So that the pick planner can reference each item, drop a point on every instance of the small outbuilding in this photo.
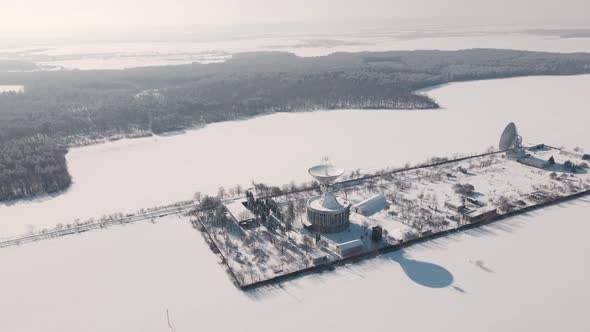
(480, 215)
(351, 247)
(239, 213)
(456, 205)
(370, 205)
(318, 257)
(475, 201)
(534, 162)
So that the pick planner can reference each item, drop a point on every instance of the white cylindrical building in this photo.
(327, 213)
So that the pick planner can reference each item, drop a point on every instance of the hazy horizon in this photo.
(36, 16)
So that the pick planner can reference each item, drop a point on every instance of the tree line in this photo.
(63, 107)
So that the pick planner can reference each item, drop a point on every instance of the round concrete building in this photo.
(327, 213)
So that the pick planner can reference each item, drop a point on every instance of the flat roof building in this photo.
(534, 162)
(370, 205)
(457, 205)
(351, 247)
(239, 213)
(479, 215)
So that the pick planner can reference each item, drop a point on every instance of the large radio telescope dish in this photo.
(325, 174)
(510, 138)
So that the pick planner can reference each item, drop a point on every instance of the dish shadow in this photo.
(423, 273)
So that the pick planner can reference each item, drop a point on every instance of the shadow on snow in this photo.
(423, 273)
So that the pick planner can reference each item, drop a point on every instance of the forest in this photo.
(32, 167)
(64, 108)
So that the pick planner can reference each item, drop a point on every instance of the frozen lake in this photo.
(127, 175)
(528, 273)
(525, 273)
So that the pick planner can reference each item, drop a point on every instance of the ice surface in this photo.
(127, 175)
(527, 273)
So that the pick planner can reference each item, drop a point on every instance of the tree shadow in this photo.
(560, 168)
(35, 199)
(423, 273)
(171, 133)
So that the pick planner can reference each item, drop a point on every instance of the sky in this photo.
(19, 16)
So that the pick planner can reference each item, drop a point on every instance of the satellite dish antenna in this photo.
(325, 174)
(510, 140)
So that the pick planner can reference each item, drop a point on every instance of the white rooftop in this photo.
(371, 205)
(238, 211)
(350, 244)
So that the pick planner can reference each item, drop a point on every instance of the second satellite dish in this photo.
(510, 140)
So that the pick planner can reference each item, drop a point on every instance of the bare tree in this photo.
(197, 196)
(221, 192)
(463, 189)
(307, 243)
(503, 203)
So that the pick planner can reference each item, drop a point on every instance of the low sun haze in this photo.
(37, 15)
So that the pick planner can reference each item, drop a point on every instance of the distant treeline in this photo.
(16, 65)
(64, 106)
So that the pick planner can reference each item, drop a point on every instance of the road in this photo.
(157, 213)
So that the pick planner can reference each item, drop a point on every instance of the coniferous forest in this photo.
(32, 167)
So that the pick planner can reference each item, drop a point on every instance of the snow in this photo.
(238, 211)
(371, 205)
(508, 276)
(255, 253)
(503, 185)
(525, 273)
(131, 174)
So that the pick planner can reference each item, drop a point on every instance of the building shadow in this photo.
(423, 273)
(353, 232)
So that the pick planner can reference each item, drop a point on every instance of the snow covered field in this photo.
(527, 273)
(127, 175)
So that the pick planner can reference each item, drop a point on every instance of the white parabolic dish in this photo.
(508, 138)
(326, 174)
